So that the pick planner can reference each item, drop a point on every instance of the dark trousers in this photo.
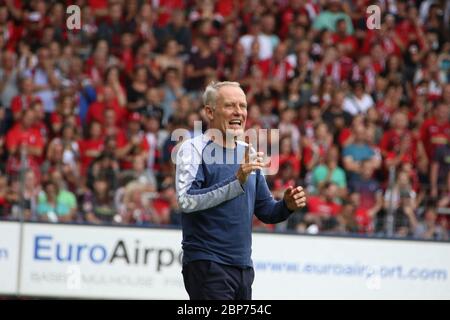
(209, 280)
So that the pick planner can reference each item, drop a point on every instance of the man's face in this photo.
(27, 86)
(442, 111)
(110, 117)
(8, 60)
(230, 114)
(359, 132)
(400, 121)
(330, 192)
(28, 118)
(342, 27)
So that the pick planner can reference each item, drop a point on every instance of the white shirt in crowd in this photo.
(354, 105)
(267, 45)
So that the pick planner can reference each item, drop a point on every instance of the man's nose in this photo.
(237, 110)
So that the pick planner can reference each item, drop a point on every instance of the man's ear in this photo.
(209, 112)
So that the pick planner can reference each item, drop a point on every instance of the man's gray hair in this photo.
(212, 92)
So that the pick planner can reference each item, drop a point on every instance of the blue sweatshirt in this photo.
(217, 210)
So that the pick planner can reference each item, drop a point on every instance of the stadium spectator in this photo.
(9, 75)
(405, 220)
(430, 228)
(288, 155)
(134, 142)
(137, 89)
(285, 178)
(335, 116)
(347, 219)
(440, 168)
(24, 99)
(403, 185)
(64, 197)
(177, 29)
(134, 203)
(105, 165)
(98, 205)
(201, 66)
(358, 101)
(330, 171)
(92, 146)
(51, 206)
(358, 152)
(46, 79)
(173, 90)
(398, 145)
(435, 131)
(327, 18)
(323, 209)
(24, 136)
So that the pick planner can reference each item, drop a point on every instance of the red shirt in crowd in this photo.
(161, 209)
(387, 42)
(225, 7)
(21, 102)
(348, 41)
(434, 134)
(363, 220)
(18, 136)
(87, 145)
(280, 184)
(97, 110)
(319, 206)
(279, 71)
(166, 7)
(289, 14)
(98, 4)
(339, 70)
(294, 160)
(391, 141)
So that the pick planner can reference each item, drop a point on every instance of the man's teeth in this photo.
(238, 122)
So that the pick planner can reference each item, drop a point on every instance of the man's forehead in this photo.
(230, 93)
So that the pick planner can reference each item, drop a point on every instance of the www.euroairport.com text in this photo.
(354, 270)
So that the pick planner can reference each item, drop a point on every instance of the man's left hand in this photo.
(294, 198)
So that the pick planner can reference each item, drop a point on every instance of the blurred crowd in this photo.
(87, 115)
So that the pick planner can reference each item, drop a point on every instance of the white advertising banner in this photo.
(141, 263)
(9, 256)
(102, 262)
(317, 267)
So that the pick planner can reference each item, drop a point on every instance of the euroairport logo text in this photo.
(47, 248)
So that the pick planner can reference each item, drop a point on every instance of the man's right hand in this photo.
(251, 162)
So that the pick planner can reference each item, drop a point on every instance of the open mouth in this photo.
(235, 124)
